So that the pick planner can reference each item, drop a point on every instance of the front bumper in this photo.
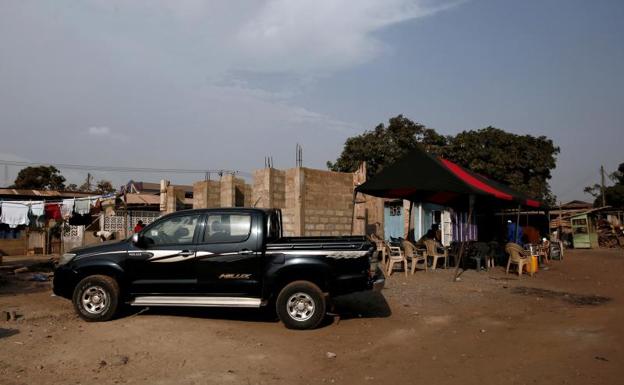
(65, 279)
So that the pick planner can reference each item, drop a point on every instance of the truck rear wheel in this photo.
(301, 305)
(96, 298)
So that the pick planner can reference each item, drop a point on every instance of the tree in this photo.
(39, 178)
(104, 187)
(524, 162)
(614, 195)
(72, 187)
(384, 145)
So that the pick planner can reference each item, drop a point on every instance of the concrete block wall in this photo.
(268, 188)
(313, 202)
(328, 202)
(175, 199)
(229, 191)
(206, 193)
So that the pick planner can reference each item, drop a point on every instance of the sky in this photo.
(192, 84)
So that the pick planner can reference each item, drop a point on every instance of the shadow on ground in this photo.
(575, 299)
(8, 332)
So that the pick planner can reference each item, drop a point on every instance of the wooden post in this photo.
(461, 248)
(517, 235)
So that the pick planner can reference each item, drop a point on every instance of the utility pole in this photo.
(602, 186)
(88, 182)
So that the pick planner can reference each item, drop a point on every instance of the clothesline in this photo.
(17, 213)
(50, 202)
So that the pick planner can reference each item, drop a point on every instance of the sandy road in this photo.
(487, 329)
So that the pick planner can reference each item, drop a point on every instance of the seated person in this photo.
(218, 232)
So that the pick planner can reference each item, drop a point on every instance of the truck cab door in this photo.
(230, 260)
(163, 261)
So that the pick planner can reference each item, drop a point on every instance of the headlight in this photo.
(65, 258)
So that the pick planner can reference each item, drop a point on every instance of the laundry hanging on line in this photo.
(14, 214)
(53, 211)
(82, 206)
(67, 208)
(37, 209)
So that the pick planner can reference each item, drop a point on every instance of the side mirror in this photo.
(136, 239)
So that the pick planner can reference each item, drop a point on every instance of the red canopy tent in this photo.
(423, 177)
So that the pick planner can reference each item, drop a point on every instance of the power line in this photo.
(125, 169)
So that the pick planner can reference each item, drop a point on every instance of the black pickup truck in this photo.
(233, 257)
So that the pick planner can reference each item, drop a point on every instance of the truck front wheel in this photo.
(96, 298)
(301, 305)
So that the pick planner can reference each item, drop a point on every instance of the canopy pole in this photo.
(517, 235)
(353, 210)
(463, 242)
(548, 228)
(409, 222)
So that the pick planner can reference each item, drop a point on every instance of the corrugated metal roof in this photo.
(148, 199)
(11, 192)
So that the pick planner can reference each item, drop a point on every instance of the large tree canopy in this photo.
(40, 178)
(523, 162)
(384, 145)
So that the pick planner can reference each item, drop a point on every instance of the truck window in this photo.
(172, 231)
(227, 228)
(273, 227)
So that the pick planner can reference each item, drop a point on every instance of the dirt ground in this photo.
(563, 326)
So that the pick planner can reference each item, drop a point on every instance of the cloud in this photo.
(218, 73)
(321, 35)
(270, 36)
(105, 132)
(99, 131)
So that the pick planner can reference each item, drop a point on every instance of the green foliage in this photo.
(39, 178)
(523, 162)
(384, 145)
(614, 195)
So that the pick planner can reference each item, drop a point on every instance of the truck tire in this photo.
(301, 305)
(96, 298)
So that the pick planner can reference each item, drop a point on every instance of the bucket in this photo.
(532, 266)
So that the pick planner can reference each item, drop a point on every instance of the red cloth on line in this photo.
(53, 211)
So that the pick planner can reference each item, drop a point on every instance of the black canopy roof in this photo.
(422, 177)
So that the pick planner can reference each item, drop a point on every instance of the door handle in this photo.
(186, 253)
(245, 252)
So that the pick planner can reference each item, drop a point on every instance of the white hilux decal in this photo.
(337, 254)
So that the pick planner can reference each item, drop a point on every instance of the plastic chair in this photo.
(415, 255)
(395, 255)
(518, 256)
(432, 251)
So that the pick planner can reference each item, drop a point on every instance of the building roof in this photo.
(151, 187)
(576, 204)
(41, 194)
(149, 199)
